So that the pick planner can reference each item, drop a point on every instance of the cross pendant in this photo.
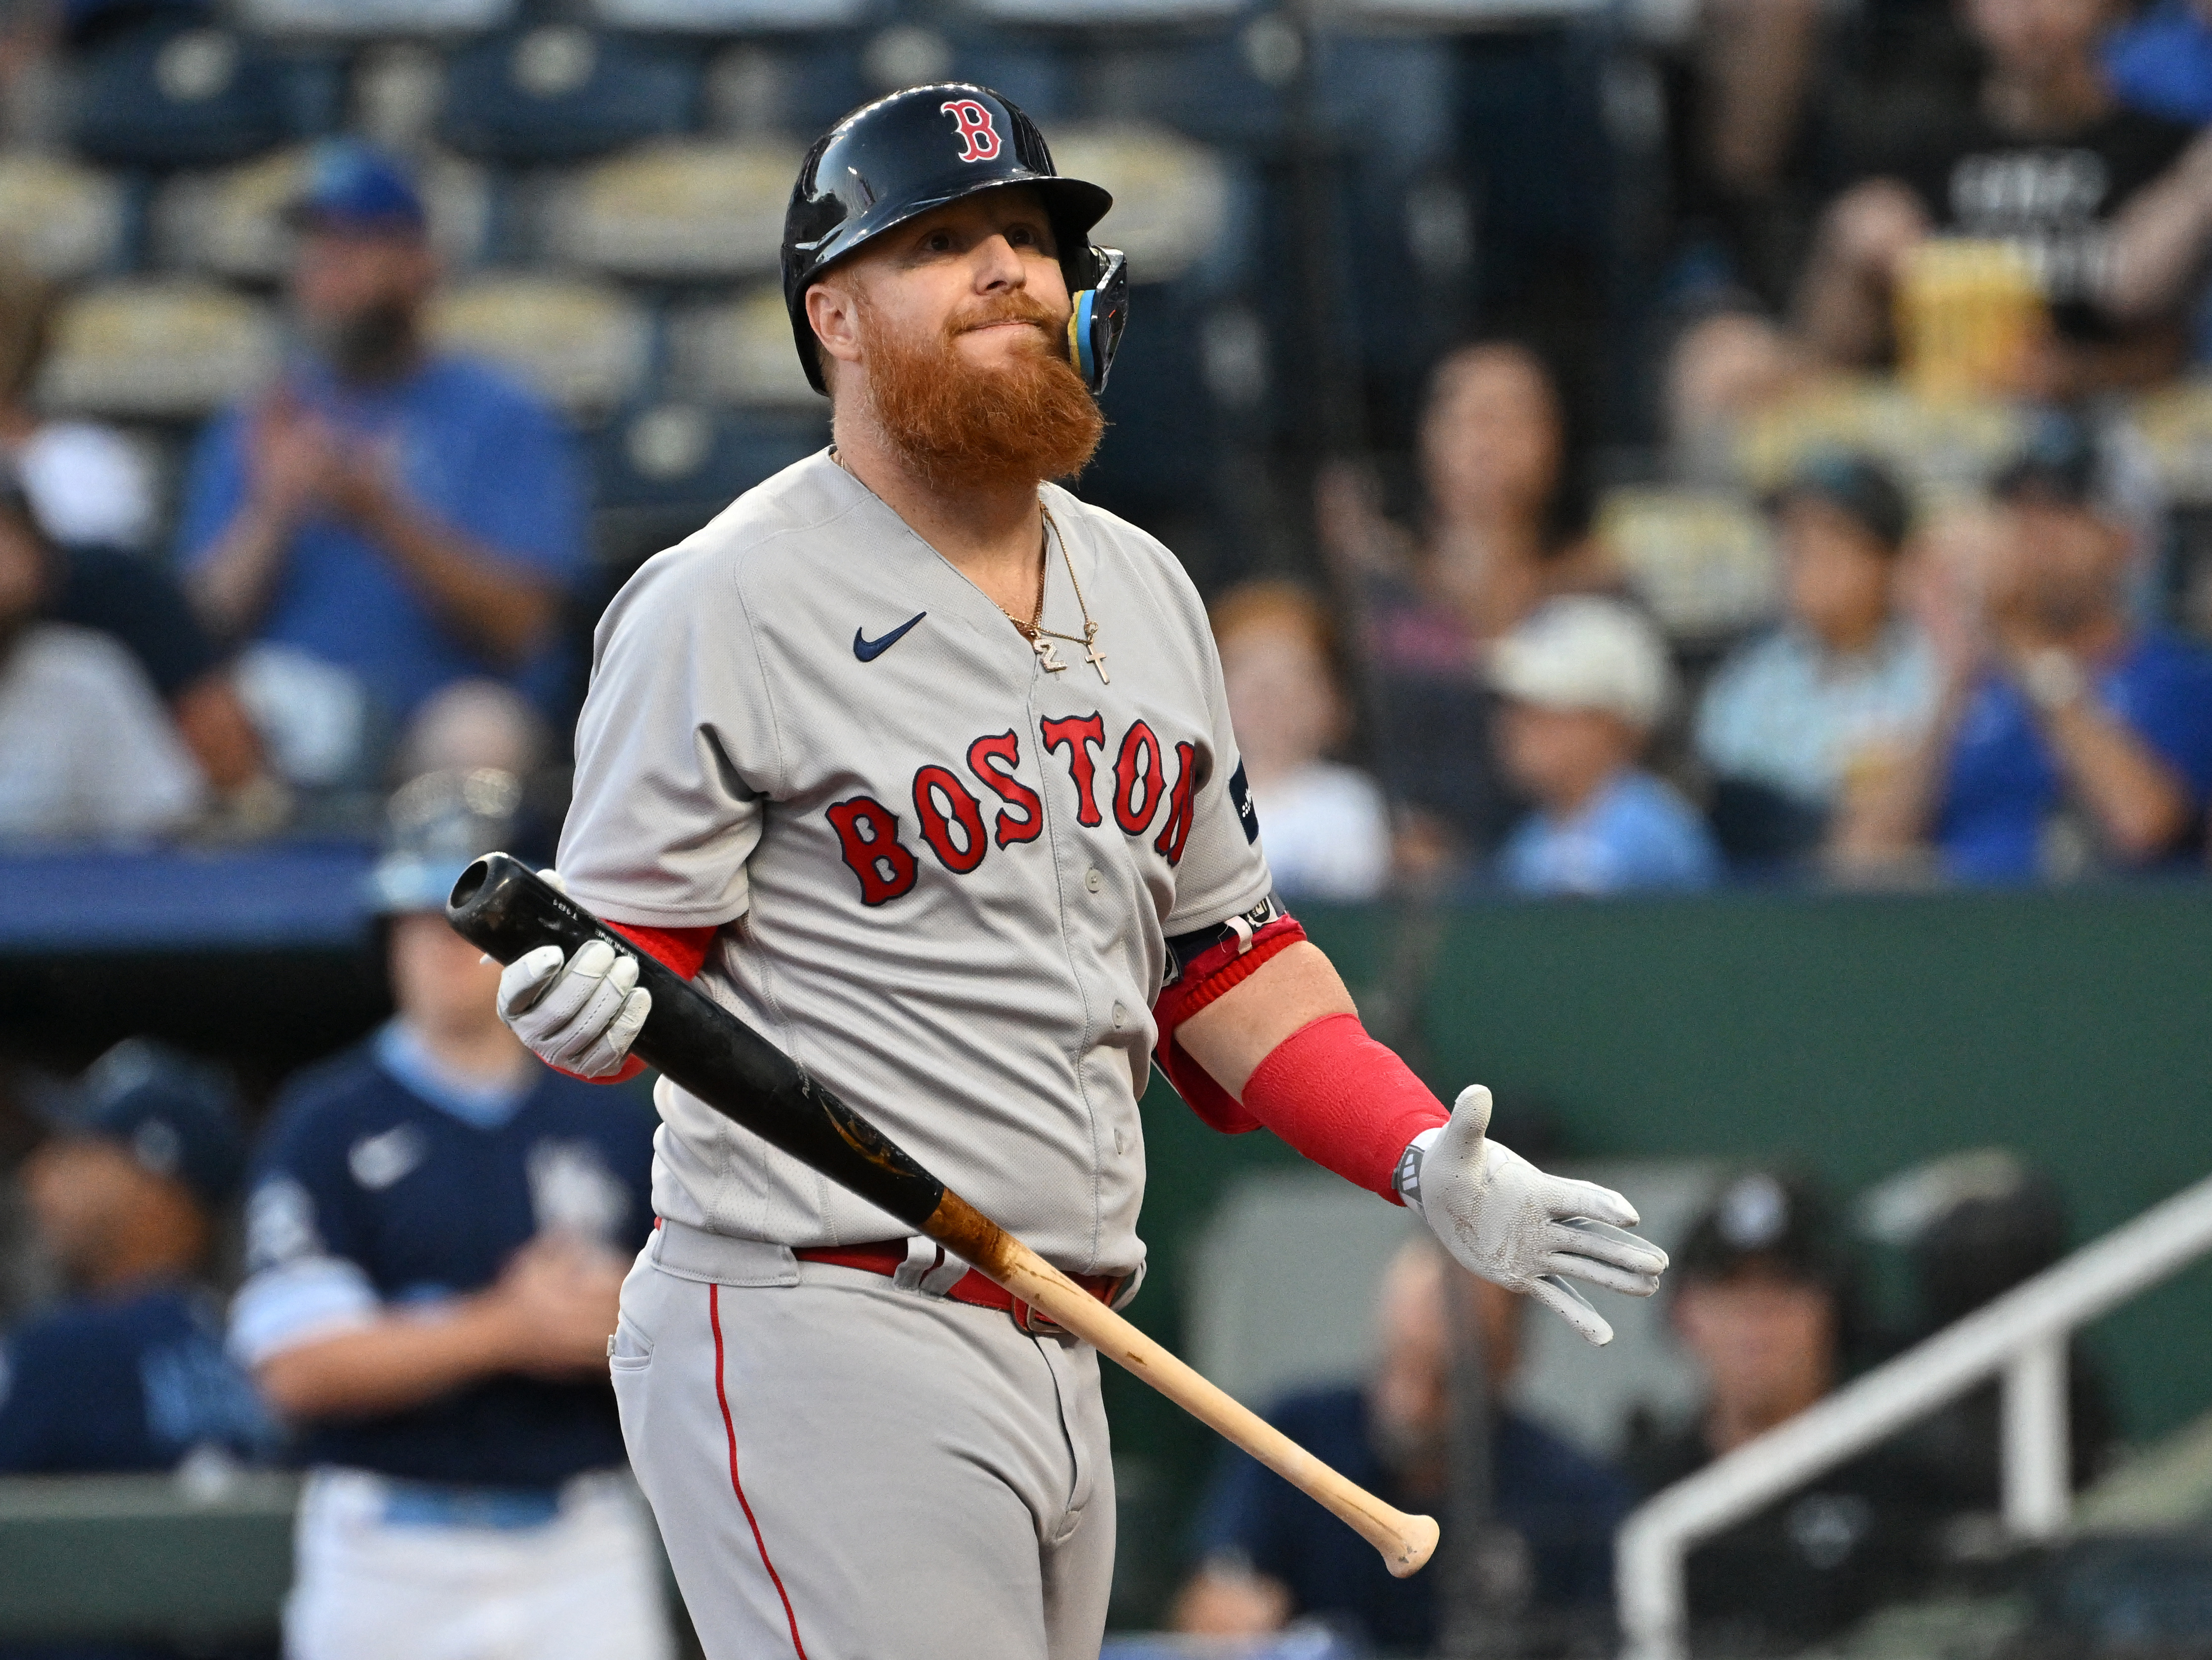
(1042, 647)
(1096, 659)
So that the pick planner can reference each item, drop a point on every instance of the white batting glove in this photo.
(1503, 1218)
(581, 1015)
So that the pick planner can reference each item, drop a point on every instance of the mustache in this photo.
(1008, 308)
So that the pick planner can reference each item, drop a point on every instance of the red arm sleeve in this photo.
(681, 951)
(1329, 1088)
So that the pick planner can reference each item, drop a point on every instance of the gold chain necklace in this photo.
(1039, 637)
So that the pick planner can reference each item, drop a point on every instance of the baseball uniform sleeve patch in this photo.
(1239, 796)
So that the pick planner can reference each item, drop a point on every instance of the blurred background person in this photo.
(437, 1233)
(1326, 829)
(1971, 1226)
(406, 517)
(1762, 1297)
(1267, 1555)
(87, 749)
(1584, 681)
(2070, 735)
(91, 496)
(2042, 159)
(128, 1372)
(1501, 531)
(87, 485)
(1846, 686)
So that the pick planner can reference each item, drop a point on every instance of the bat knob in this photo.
(1409, 1553)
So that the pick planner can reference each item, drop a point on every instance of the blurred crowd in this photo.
(1851, 531)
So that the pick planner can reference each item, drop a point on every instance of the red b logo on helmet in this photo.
(979, 139)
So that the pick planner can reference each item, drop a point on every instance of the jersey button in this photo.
(1092, 879)
(1121, 1017)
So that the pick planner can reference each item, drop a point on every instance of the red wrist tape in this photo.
(1343, 1100)
(681, 951)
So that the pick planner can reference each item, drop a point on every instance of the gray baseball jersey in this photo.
(943, 873)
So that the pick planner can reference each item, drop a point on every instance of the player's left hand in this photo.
(1503, 1218)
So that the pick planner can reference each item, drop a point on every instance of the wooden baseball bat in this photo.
(506, 909)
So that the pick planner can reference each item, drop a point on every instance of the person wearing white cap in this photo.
(1584, 680)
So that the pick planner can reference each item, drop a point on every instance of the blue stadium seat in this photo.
(735, 16)
(369, 20)
(682, 457)
(561, 93)
(174, 92)
(738, 352)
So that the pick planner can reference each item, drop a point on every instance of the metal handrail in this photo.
(2021, 1335)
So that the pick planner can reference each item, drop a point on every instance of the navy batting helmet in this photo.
(917, 149)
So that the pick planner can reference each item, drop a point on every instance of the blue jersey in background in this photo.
(384, 1182)
(131, 1382)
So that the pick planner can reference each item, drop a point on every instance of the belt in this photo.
(889, 1256)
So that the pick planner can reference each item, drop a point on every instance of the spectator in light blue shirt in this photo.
(1842, 691)
(411, 519)
(1584, 682)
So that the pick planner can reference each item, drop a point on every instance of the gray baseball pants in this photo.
(846, 1468)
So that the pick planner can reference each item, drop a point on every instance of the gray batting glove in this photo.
(581, 1015)
(1503, 1218)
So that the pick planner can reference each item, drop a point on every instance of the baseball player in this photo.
(921, 766)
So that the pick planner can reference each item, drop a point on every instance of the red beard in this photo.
(961, 426)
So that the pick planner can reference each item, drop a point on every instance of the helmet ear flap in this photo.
(1098, 316)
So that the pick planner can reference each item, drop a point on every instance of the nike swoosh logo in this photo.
(868, 650)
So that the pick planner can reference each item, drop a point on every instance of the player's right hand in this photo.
(581, 1014)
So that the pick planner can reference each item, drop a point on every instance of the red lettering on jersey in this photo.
(962, 855)
(979, 138)
(1181, 805)
(1139, 780)
(1006, 748)
(1078, 733)
(869, 831)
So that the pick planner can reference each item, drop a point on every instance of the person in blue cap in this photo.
(128, 1372)
(411, 517)
(437, 1227)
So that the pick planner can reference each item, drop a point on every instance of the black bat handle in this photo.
(506, 911)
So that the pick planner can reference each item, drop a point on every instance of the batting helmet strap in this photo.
(900, 156)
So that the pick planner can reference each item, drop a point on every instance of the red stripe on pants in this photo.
(730, 1429)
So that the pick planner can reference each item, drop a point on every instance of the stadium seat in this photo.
(561, 93)
(60, 217)
(174, 93)
(1170, 196)
(738, 352)
(230, 223)
(584, 345)
(679, 209)
(1104, 14)
(733, 16)
(663, 456)
(1701, 560)
(157, 349)
(368, 20)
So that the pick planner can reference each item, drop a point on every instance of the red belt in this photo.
(888, 1256)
